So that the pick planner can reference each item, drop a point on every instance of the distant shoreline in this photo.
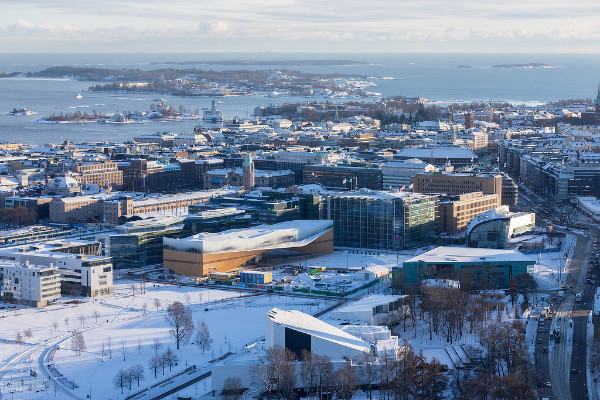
(295, 63)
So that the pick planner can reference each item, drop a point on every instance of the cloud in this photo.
(305, 25)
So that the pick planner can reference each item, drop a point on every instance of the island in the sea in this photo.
(526, 66)
(294, 63)
(199, 82)
(157, 113)
(21, 111)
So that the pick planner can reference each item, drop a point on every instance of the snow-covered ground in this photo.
(234, 319)
(551, 269)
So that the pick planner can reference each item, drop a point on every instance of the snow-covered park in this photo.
(134, 324)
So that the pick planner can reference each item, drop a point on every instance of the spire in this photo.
(598, 96)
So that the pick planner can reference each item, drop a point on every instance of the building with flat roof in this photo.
(458, 183)
(372, 219)
(397, 174)
(139, 243)
(590, 206)
(340, 177)
(28, 284)
(455, 212)
(371, 310)
(459, 156)
(216, 220)
(298, 332)
(203, 253)
(80, 274)
(489, 268)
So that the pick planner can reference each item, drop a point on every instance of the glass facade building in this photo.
(380, 220)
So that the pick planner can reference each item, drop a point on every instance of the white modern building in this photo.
(372, 310)
(397, 174)
(80, 274)
(493, 228)
(28, 284)
(298, 331)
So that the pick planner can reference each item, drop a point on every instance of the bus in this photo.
(578, 296)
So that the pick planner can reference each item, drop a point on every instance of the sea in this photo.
(436, 77)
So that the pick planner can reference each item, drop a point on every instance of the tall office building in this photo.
(372, 219)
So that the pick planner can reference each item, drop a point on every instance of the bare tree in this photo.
(307, 371)
(132, 287)
(66, 322)
(203, 339)
(77, 342)
(28, 333)
(55, 325)
(136, 373)
(156, 345)
(156, 303)
(232, 389)
(124, 349)
(170, 358)
(180, 319)
(96, 315)
(154, 364)
(277, 372)
(82, 320)
(145, 307)
(103, 351)
(19, 338)
(139, 347)
(346, 382)
(368, 370)
(324, 373)
(121, 380)
(109, 348)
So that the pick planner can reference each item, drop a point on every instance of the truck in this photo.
(561, 295)
(578, 296)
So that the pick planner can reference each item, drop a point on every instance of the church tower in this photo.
(248, 172)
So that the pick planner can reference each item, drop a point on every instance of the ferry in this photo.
(213, 115)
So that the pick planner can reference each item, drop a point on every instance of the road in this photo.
(581, 310)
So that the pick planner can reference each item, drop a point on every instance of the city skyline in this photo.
(292, 26)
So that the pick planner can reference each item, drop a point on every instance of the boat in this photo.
(213, 115)
(79, 96)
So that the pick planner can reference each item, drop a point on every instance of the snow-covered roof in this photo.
(262, 237)
(312, 326)
(436, 152)
(378, 194)
(370, 302)
(450, 254)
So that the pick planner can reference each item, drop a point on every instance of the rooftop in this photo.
(370, 302)
(262, 237)
(312, 326)
(450, 254)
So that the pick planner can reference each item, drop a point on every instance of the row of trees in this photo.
(17, 217)
(126, 377)
(405, 375)
(163, 360)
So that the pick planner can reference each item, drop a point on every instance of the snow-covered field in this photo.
(132, 321)
(551, 270)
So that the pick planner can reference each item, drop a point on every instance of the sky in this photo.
(324, 26)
